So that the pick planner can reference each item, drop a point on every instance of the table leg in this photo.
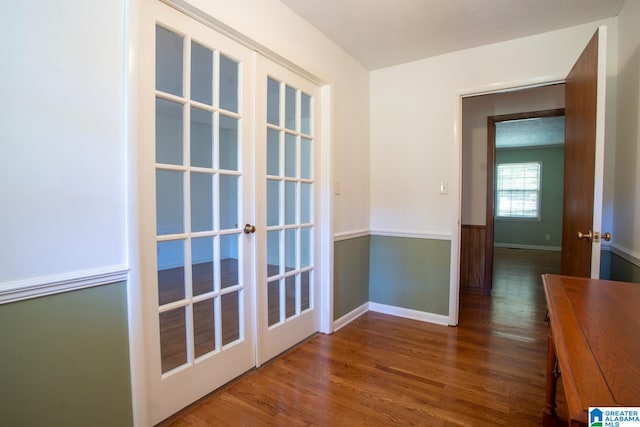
(550, 418)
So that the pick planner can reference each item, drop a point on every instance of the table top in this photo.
(596, 330)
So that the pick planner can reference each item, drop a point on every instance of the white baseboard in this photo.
(350, 317)
(408, 313)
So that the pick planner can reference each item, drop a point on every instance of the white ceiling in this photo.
(381, 33)
(530, 132)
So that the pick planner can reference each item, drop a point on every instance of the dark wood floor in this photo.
(385, 370)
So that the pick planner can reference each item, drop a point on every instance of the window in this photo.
(518, 190)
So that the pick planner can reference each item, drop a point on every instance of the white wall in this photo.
(415, 111)
(62, 144)
(626, 226)
(275, 26)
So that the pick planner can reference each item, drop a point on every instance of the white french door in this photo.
(288, 171)
(228, 140)
(196, 193)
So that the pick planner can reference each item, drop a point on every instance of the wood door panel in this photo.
(580, 147)
(472, 258)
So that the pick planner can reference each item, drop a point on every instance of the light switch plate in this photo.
(444, 187)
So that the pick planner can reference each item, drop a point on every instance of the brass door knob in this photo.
(606, 236)
(249, 228)
(586, 236)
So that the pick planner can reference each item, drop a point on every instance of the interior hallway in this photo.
(385, 370)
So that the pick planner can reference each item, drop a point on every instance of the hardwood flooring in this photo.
(385, 370)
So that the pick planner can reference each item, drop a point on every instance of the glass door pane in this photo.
(196, 199)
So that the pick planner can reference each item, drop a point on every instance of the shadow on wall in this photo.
(626, 158)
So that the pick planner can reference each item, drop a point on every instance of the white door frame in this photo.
(598, 175)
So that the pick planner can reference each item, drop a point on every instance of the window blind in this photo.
(518, 190)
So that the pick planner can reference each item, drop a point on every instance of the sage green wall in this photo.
(350, 275)
(410, 273)
(623, 270)
(65, 360)
(533, 232)
(605, 264)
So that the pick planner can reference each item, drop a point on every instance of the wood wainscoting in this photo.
(473, 258)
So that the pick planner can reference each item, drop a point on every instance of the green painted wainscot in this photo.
(621, 268)
(350, 274)
(410, 273)
(65, 360)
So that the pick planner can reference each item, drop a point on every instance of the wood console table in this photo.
(595, 339)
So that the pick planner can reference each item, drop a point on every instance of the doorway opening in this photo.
(525, 177)
(513, 112)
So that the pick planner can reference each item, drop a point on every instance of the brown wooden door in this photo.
(581, 131)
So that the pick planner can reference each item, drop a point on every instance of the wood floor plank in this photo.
(385, 370)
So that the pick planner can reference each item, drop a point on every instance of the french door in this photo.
(196, 185)
(228, 208)
(288, 171)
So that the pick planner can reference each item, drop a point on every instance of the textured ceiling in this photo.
(530, 132)
(381, 33)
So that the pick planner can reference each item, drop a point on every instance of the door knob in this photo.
(249, 228)
(586, 236)
(604, 236)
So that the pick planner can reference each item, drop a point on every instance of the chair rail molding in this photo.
(59, 283)
(412, 234)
